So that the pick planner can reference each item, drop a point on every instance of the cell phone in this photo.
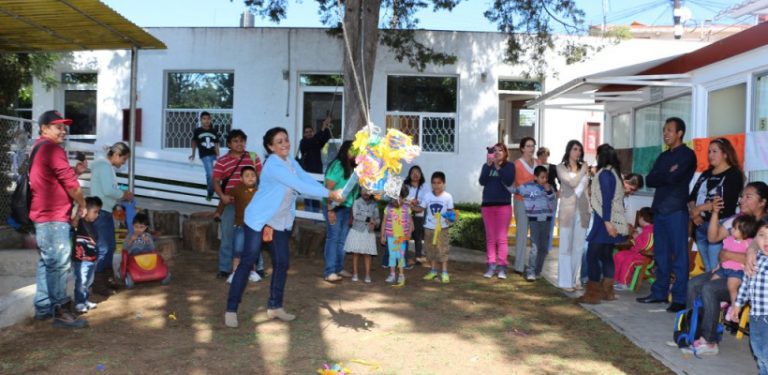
(719, 190)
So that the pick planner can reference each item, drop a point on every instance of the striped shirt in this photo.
(397, 221)
(755, 289)
(226, 164)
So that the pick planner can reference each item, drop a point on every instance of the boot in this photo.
(592, 295)
(63, 317)
(606, 287)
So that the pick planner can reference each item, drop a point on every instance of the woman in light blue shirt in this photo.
(272, 211)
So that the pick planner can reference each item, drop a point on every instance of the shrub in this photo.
(468, 231)
(467, 207)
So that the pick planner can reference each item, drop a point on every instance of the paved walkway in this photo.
(647, 326)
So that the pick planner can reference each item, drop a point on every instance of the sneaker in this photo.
(430, 276)
(354, 278)
(384, 266)
(332, 277)
(444, 278)
(345, 273)
(254, 277)
(367, 279)
(530, 277)
(490, 270)
(229, 279)
(391, 279)
(230, 319)
(208, 198)
(502, 274)
(90, 305)
(401, 280)
(702, 348)
(81, 308)
(620, 287)
(280, 314)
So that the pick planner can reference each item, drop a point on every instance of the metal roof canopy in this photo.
(587, 87)
(67, 25)
(74, 25)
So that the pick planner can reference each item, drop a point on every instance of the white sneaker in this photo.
(391, 279)
(354, 278)
(530, 277)
(81, 308)
(345, 273)
(367, 279)
(90, 305)
(230, 319)
(229, 279)
(254, 277)
(280, 314)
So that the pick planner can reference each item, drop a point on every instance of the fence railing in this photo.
(434, 132)
(159, 174)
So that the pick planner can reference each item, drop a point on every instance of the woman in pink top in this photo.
(523, 175)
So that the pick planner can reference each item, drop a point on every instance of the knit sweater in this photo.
(607, 201)
(539, 203)
(571, 203)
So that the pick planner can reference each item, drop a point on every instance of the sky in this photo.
(468, 16)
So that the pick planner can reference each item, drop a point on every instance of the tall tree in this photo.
(528, 24)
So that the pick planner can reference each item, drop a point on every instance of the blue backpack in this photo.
(688, 324)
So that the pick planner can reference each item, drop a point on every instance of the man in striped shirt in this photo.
(227, 169)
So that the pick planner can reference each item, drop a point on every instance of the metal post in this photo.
(132, 125)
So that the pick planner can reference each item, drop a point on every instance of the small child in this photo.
(539, 199)
(438, 217)
(642, 249)
(396, 233)
(744, 229)
(84, 254)
(140, 241)
(242, 194)
(754, 290)
(361, 239)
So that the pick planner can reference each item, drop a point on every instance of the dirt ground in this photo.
(470, 326)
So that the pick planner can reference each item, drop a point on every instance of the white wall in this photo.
(263, 99)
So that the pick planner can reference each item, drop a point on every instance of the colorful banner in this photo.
(643, 158)
(701, 148)
(756, 154)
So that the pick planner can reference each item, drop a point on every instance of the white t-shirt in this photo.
(433, 205)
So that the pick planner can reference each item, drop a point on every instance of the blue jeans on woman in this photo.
(239, 247)
(335, 236)
(600, 261)
(55, 246)
(278, 249)
(208, 162)
(758, 337)
(105, 239)
(710, 252)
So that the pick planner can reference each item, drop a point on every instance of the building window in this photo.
(190, 93)
(425, 108)
(621, 131)
(727, 110)
(760, 122)
(80, 104)
(519, 85)
(649, 120)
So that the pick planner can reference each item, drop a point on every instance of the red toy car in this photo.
(144, 267)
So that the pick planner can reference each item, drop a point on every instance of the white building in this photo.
(257, 78)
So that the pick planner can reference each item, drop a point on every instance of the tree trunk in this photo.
(361, 20)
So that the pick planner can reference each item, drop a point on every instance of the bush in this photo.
(468, 231)
(467, 207)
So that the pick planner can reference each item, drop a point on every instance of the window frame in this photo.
(64, 87)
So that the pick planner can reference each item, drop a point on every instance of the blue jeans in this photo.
(239, 246)
(710, 252)
(55, 246)
(758, 337)
(105, 239)
(670, 237)
(539, 245)
(335, 236)
(83, 279)
(278, 249)
(600, 261)
(226, 248)
(208, 166)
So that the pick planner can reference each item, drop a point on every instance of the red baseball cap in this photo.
(53, 117)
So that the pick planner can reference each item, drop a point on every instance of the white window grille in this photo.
(187, 95)
(434, 132)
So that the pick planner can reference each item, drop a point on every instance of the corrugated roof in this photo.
(67, 25)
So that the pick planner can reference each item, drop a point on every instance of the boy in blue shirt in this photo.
(539, 198)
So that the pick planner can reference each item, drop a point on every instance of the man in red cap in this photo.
(54, 187)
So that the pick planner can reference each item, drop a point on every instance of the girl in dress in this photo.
(361, 239)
